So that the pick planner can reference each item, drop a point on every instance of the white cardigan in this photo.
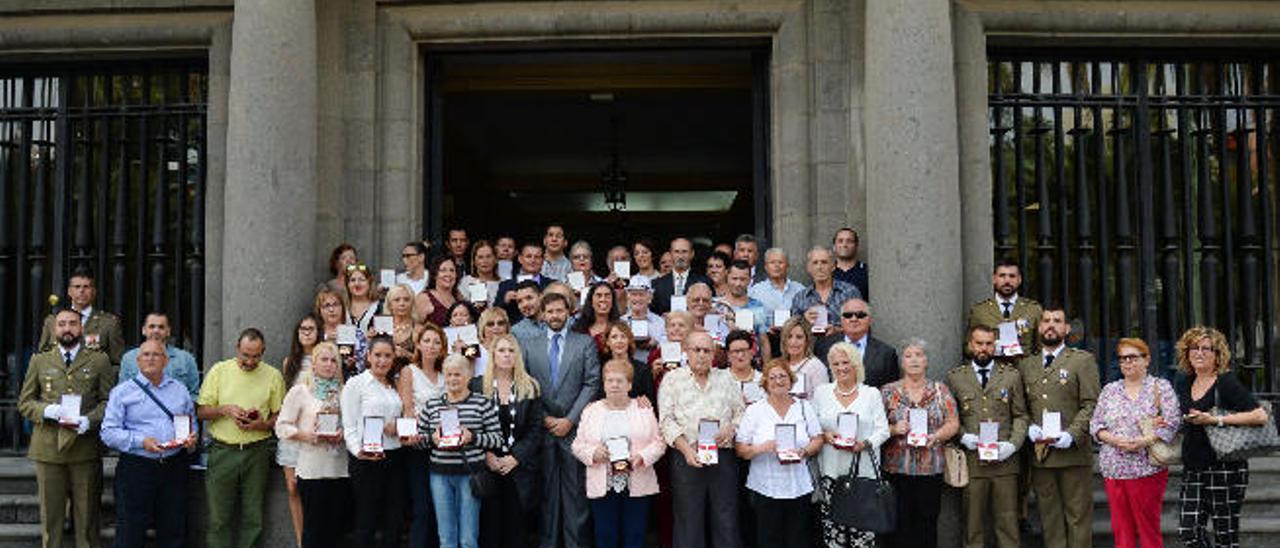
(873, 428)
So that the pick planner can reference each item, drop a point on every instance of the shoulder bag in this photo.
(864, 504)
(1161, 453)
(1236, 443)
(955, 466)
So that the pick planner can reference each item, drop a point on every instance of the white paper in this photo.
(1007, 343)
(70, 404)
(780, 317)
(671, 352)
(522, 277)
(467, 334)
(384, 325)
(450, 424)
(406, 426)
(744, 319)
(679, 303)
(492, 289)
(622, 269)
(640, 329)
(181, 427)
(387, 278)
(504, 269)
(784, 435)
(847, 427)
(577, 280)
(1051, 425)
(619, 448)
(371, 437)
(711, 322)
(918, 419)
(478, 292)
(820, 323)
(797, 388)
(347, 334)
(327, 424)
(988, 433)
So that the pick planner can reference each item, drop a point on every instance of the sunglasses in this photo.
(859, 314)
(358, 266)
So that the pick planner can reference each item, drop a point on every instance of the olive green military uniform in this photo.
(1025, 314)
(993, 486)
(66, 462)
(101, 332)
(1063, 478)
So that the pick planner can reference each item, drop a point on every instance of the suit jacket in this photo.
(664, 287)
(1001, 401)
(506, 286)
(579, 375)
(879, 361)
(48, 378)
(529, 435)
(102, 332)
(1026, 313)
(1069, 386)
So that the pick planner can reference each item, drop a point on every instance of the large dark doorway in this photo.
(520, 139)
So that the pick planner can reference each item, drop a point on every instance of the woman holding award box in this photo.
(309, 418)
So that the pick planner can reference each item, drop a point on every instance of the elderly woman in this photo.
(505, 516)
(452, 462)
(914, 465)
(797, 352)
(1135, 486)
(321, 466)
(1211, 488)
(370, 394)
(619, 486)
(779, 478)
(847, 394)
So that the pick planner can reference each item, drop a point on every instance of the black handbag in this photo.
(864, 504)
(484, 483)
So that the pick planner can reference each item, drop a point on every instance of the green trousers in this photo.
(1065, 498)
(995, 499)
(82, 481)
(237, 477)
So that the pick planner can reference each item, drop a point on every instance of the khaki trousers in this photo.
(1065, 498)
(82, 483)
(995, 498)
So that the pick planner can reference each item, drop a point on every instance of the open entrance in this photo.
(612, 144)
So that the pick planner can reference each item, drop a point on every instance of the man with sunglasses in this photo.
(879, 359)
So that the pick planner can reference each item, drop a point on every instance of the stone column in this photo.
(913, 196)
(270, 208)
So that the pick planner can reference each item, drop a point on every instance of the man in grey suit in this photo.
(568, 370)
(879, 360)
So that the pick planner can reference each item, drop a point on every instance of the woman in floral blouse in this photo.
(1135, 486)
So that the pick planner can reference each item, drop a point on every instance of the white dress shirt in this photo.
(768, 476)
(363, 396)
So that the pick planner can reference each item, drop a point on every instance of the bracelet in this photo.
(1219, 421)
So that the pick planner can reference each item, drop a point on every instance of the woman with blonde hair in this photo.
(1211, 488)
(321, 466)
(399, 301)
(493, 323)
(796, 340)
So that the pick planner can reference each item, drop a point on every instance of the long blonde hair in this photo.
(526, 387)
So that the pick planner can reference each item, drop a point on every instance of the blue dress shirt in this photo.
(132, 416)
(182, 368)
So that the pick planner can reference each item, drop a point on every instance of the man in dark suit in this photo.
(879, 360)
(568, 370)
(679, 279)
(530, 260)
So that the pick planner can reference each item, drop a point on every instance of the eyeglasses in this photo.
(859, 314)
(495, 323)
(700, 350)
(327, 306)
(408, 255)
(1126, 358)
(1205, 349)
(307, 328)
(358, 266)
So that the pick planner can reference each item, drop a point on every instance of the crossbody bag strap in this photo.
(147, 390)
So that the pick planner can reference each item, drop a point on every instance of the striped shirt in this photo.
(475, 413)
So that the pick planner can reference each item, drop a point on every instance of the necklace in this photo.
(844, 394)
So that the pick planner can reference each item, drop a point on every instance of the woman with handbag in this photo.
(507, 515)
(1211, 398)
(1134, 479)
(458, 457)
(618, 441)
(849, 395)
(914, 462)
(779, 477)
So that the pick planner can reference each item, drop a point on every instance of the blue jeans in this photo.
(457, 510)
(620, 520)
(422, 526)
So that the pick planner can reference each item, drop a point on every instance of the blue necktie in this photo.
(554, 358)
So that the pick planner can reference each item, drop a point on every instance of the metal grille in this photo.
(101, 166)
(1138, 188)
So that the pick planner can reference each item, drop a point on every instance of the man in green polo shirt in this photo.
(240, 398)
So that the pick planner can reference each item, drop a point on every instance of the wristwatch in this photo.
(1219, 421)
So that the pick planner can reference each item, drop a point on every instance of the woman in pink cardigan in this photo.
(619, 441)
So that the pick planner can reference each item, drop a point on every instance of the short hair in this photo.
(645, 243)
(680, 314)
(455, 360)
(851, 299)
(619, 366)
(398, 289)
(337, 254)
(1135, 343)
(980, 327)
(817, 249)
(381, 339)
(455, 228)
(740, 265)
(855, 357)
(471, 311)
(160, 313)
(82, 272)
(1222, 352)
(745, 239)
(720, 256)
(1006, 262)
(1054, 305)
(250, 334)
(418, 247)
(775, 251)
(739, 335)
(530, 243)
(581, 244)
(527, 284)
(845, 229)
(57, 310)
(551, 297)
(776, 363)
(324, 294)
(910, 342)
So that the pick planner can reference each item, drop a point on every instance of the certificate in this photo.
(387, 278)
(784, 439)
(346, 335)
(640, 329)
(522, 277)
(577, 280)
(918, 434)
(707, 450)
(466, 333)
(1051, 425)
(797, 388)
(711, 322)
(384, 325)
(450, 428)
(622, 269)
(504, 269)
(780, 317)
(70, 404)
(820, 322)
(406, 427)
(846, 429)
(1007, 343)
(327, 424)
(744, 319)
(679, 303)
(181, 428)
(371, 437)
(988, 441)
(619, 449)
(671, 353)
(477, 292)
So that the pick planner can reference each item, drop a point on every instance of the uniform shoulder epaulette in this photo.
(1029, 300)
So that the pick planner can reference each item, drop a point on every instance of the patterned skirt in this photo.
(835, 535)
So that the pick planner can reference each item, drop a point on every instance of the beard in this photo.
(982, 359)
(1048, 339)
(68, 340)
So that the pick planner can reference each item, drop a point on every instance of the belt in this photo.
(240, 446)
(180, 456)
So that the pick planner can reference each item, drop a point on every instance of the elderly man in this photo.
(848, 268)
(67, 456)
(101, 329)
(825, 290)
(700, 306)
(144, 415)
(181, 364)
(680, 279)
(241, 398)
(639, 295)
(879, 359)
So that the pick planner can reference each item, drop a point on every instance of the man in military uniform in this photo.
(989, 391)
(64, 442)
(102, 330)
(1064, 381)
(1007, 306)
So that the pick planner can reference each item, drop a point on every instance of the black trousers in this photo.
(1213, 494)
(782, 522)
(919, 502)
(150, 491)
(324, 508)
(380, 498)
(503, 519)
(706, 500)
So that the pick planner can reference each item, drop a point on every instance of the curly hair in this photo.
(1192, 337)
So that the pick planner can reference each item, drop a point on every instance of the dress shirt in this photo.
(74, 351)
(564, 334)
(557, 269)
(773, 298)
(363, 396)
(977, 371)
(298, 414)
(261, 389)
(860, 344)
(873, 428)
(680, 282)
(132, 416)
(768, 476)
(418, 286)
(181, 367)
(682, 403)
(1002, 304)
(85, 313)
(840, 292)
(1045, 353)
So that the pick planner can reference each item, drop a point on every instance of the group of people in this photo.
(504, 395)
